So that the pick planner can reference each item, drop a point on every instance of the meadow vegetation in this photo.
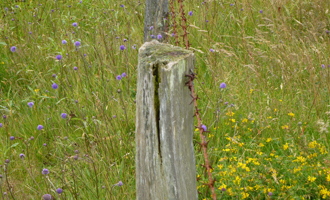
(68, 86)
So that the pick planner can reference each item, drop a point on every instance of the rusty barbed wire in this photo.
(184, 21)
(174, 23)
(203, 144)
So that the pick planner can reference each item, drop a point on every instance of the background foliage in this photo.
(268, 128)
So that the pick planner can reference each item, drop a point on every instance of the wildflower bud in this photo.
(47, 197)
(59, 190)
(22, 156)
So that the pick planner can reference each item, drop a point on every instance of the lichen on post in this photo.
(165, 162)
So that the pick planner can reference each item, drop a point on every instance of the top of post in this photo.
(155, 51)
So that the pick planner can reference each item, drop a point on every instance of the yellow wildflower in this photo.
(251, 90)
(285, 127)
(244, 120)
(291, 114)
(269, 140)
(245, 195)
(237, 180)
(286, 146)
(312, 145)
(230, 114)
(36, 90)
(223, 186)
(311, 179)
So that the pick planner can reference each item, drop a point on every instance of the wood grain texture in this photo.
(165, 162)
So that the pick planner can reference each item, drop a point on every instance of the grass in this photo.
(268, 128)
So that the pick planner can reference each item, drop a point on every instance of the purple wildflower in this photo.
(151, 27)
(123, 74)
(47, 197)
(226, 103)
(30, 104)
(118, 77)
(173, 34)
(45, 171)
(45, 144)
(1, 125)
(323, 66)
(159, 37)
(223, 85)
(22, 156)
(4, 116)
(119, 183)
(77, 43)
(54, 86)
(261, 11)
(13, 49)
(122, 5)
(190, 13)
(204, 127)
(75, 68)
(152, 36)
(231, 4)
(134, 46)
(58, 57)
(59, 190)
(125, 40)
(63, 115)
(54, 75)
(64, 41)
(30, 32)
(40, 127)
(12, 138)
(241, 9)
(270, 194)
(212, 50)
(223, 189)
(75, 24)
(114, 116)
(122, 47)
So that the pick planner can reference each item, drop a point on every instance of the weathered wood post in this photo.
(155, 12)
(165, 161)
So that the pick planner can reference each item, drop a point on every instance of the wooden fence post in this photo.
(165, 161)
